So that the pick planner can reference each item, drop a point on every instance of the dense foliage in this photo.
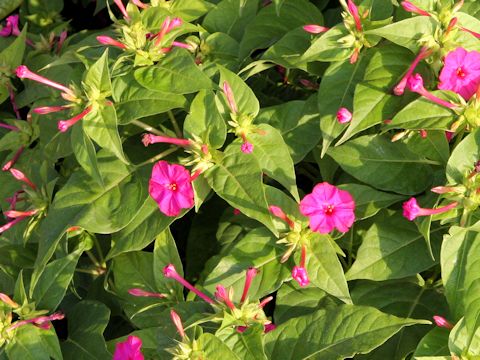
(240, 179)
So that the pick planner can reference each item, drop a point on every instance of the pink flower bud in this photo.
(107, 40)
(24, 73)
(278, 212)
(20, 176)
(315, 29)
(9, 127)
(13, 161)
(251, 273)
(415, 84)
(7, 300)
(10, 224)
(265, 301)
(269, 327)
(344, 115)
(170, 272)
(49, 109)
(227, 90)
(177, 322)
(149, 139)
(122, 9)
(13, 214)
(143, 293)
(399, 89)
(408, 6)
(61, 40)
(223, 295)
(442, 322)
(353, 10)
(140, 4)
(64, 125)
(300, 275)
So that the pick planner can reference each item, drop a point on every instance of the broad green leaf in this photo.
(87, 321)
(435, 343)
(205, 121)
(231, 17)
(85, 153)
(294, 301)
(83, 202)
(10, 58)
(378, 162)
(214, 349)
(176, 73)
(336, 91)
(258, 249)
(373, 101)
(189, 10)
(269, 26)
(222, 49)
(425, 114)
(33, 343)
(335, 333)
(101, 126)
(463, 158)
(392, 248)
(133, 101)
(369, 201)
(297, 122)
(326, 47)
(472, 291)
(247, 345)
(462, 343)
(273, 156)
(54, 280)
(247, 102)
(404, 299)
(237, 178)
(434, 146)
(324, 269)
(7, 6)
(407, 32)
(97, 79)
(141, 231)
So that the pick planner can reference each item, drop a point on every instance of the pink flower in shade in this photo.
(353, 10)
(143, 293)
(408, 6)
(328, 207)
(107, 40)
(50, 109)
(171, 187)
(40, 321)
(344, 115)
(461, 72)
(11, 27)
(300, 275)
(20, 176)
(415, 84)
(129, 349)
(411, 210)
(246, 147)
(442, 322)
(315, 29)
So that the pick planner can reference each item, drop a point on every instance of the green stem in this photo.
(148, 128)
(93, 258)
(158, 156)
(176, 128)
(99, 250)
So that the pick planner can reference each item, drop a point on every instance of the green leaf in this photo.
(425, 114)
(7, 6)
(336, 333)
(54, 280)
(87, 321)
(258, 249)
(336, 91)
(269, 25)
(214, 349)
(462, 343)
(392, 248)
(141, 231)
(434, 146)
(407, 32)
(133, 101)
(176, 73)
(231, 17)
(247, 345)
(85, 153)
(324, 269)
(463, 158)
(274, 158)
(373, 101)
(378, 162)
(369, 201)
(327, 47)
(297, 121)
(101, 126)
(404, 299)
(10, 58)
(435, 343)
(33, 343)
(237, 178)
(205, 121)
(189, 10)
(97, 79)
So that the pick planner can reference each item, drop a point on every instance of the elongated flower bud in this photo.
(315, 29)
(353, 10)
(20, 176)
(9, 127)
(10, 224)
(170, 272)
(107, 40)
(408, 6)
(7, 300)
(13, 214)
(415, 84)
(178, 323)
(140, 4)
(251, 273)
(223, 295)
(442, 322)
(411, 210)
(278, 212)
(64, 125)
(24, 73)
(399, 89)
(144, 293)
(122, 9)
(227, 90)
(149, 139)
(50, 109)
(344, 115)
(40, 320)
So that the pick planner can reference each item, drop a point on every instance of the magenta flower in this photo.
(315, 29)
(344, 115)
(415, 84)
(64, 125)
(20, 176)
(300, 275)
(411, 210)
(251, 273)
(177, 321)
(328, 207)
(148, 139)
(129, 349)
(408, 6)
(11, 27)
(442, 322)
(170, 272)
(246, 147)
(122, 9)
(222, 294)
(171, 187)
(353, 10)
(461, 72)
(399, 89)
(107, 40)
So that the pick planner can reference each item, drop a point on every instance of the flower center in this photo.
(329, 209)
(460, 73)
(172, 187)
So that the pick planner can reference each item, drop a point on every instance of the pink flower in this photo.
(177, 322)
(20, 176)
(315, 29)
(442, 322)
(461, 72)
(171, 187)
(107, 40)
(344, 115)
(300, 275)
(328, 207)
(399, 89)
(278, 212)
(246, 147)
(129, 349)
(415, 84)
(11, 27)
(222, 294)
(64, 125)
(411, 210)
(140, 4)
(408, 6)
(251, 273)
(170, 272)
(148, 139)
